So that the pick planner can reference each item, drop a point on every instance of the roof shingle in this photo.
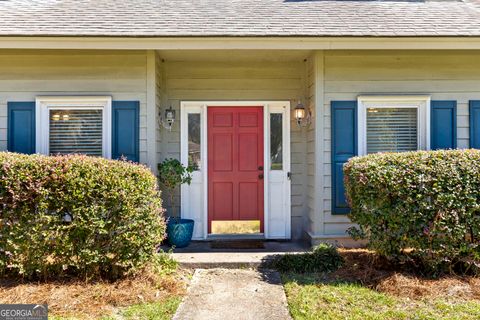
(239, 18)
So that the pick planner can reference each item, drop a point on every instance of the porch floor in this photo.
(199, 254)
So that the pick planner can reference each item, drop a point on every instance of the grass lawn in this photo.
(153, 311)
(358, 291)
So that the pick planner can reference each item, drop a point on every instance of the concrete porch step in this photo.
(199, 255)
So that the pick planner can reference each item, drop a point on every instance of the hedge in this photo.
(420, 206)
(76, 215)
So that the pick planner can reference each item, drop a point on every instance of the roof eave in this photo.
(422, 42)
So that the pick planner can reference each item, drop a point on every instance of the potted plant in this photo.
(172, 174)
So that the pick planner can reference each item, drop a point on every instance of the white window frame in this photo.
(44, 104)
(420, 102)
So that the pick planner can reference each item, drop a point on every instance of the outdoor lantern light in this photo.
(170, 116)
(169, 119)
(302, 115)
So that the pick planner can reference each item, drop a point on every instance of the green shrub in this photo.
(420, 206)
(76, 215)
(323, 258)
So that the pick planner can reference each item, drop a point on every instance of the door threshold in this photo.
(252, 236)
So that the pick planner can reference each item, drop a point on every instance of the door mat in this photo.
(237, 244)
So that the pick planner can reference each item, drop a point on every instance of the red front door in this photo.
(235, 164)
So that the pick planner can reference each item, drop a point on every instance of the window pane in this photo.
(76, 131)
(391, 129)
(194, 140)
(276, 141)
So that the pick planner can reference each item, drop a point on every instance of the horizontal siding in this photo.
(446, 75)
(29, 73)
(241, 80)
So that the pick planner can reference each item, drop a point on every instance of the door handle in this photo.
(260, 176)
(260, 168)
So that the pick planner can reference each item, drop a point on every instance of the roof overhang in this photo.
(243, 43)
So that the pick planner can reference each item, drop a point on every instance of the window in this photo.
(75, 131)
(194, 143)
(276, 141)
(393, 124)
(69, 125)
(392, 129)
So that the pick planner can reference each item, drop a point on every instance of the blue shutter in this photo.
(125, 130)
(475, 124)
(344, 146)
(443, 125)
(21, 127)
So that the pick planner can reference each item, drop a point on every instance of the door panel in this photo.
(222, 149)
(235, 164)
(248, 152)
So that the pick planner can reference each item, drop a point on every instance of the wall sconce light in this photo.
(302, 115)
(168, 119)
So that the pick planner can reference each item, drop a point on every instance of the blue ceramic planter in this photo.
(179, 232)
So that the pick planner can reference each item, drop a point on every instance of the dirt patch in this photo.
(93, 299)
(365, 267)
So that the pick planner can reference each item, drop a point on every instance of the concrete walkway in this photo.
(238, 294)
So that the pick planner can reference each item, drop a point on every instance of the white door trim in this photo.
(201, 179)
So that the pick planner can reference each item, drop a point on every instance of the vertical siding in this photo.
(29, 73)
(446, 75)
(241, 80)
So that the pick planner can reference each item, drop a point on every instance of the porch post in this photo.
(151, 117)
(319, 116)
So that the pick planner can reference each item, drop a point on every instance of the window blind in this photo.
(392, 129)
(76, 131)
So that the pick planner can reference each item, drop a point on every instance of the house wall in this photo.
(238, 76)
(161, 79)
(26, 74)
(446, 75)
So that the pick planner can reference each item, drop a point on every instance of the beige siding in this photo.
(240, 79)
(29, 73)
(446, 75)
(311, 96)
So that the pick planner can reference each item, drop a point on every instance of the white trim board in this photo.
(43, 104)
(250, 43)
(194, 197)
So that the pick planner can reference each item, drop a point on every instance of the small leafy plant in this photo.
(323, 258)
(172, 174)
